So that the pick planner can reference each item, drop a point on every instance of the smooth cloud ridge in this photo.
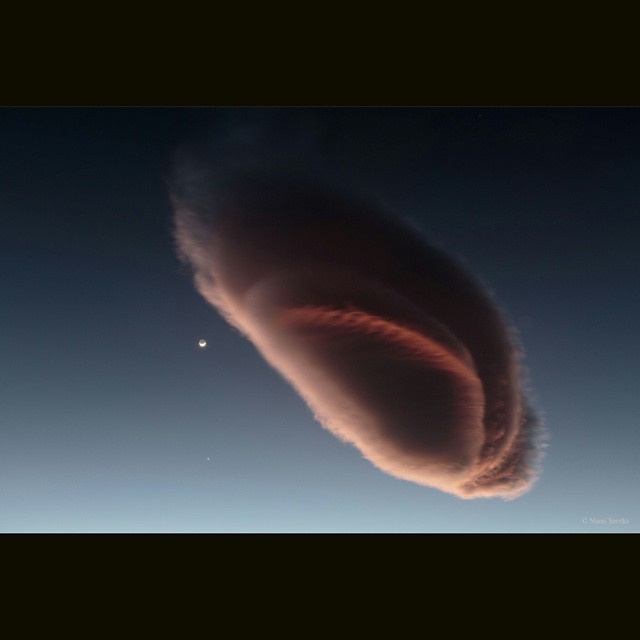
(394, 345)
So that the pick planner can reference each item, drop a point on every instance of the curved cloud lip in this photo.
(395, 347)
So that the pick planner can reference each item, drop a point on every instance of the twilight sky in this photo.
(113, 419)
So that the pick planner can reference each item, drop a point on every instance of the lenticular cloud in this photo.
(394, 346)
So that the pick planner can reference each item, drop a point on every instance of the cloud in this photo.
(394, 345)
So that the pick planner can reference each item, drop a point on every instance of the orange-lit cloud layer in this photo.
(394, 346)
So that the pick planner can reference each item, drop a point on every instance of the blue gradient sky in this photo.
(109, 410)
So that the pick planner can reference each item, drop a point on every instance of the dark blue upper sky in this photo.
(109, 411)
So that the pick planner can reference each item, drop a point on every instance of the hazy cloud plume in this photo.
(394, 346)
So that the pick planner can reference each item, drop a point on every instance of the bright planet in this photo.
(202, 343)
